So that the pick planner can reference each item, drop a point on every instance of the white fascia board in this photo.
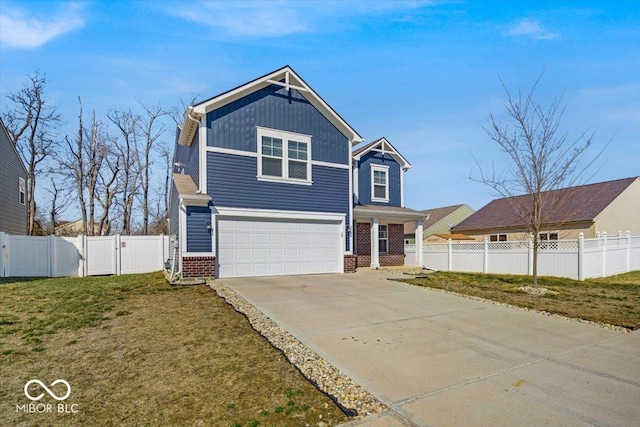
(203, 155)
(280, 214)
(195, 200)
(254, 154)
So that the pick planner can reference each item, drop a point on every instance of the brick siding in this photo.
(201, 266)
(396, 245)
(350, 263)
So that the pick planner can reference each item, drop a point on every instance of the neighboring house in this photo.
(439, 223)
(264, 185)
(73, 228)
(13, 187)
(612, 207)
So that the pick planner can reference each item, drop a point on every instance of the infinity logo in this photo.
(52, 394)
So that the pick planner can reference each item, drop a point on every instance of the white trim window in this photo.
(22, 188)
(383, 239)
(380, 183)
(284, 157)
(498, 238)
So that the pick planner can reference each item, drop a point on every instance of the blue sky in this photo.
(424, 74)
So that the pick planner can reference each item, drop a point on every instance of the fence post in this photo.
(449, 258)
(530, 248)
(161, 252)
(2, 251)
(118, 266)
(80, 246)
(581, 256)
(485, 263)
(628, 251)
(604, 254)
(52, 255)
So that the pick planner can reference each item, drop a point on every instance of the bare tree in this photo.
(127, 147)
(59, 204)
(32, 124)
(541, 158)
(109, 190)
(151, 131)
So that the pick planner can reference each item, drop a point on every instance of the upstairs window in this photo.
(284, 156)
(379, 183)
(22, 188)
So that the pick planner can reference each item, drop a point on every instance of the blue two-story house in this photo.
(265, 183)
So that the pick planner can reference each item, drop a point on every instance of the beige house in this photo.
(439, 224)
(612, 207)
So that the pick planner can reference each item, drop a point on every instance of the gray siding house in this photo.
(13, 187)
(263, 184)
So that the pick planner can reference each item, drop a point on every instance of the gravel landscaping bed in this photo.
(351, 397)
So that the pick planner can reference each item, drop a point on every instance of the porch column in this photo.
(419, 256)
(375, 247)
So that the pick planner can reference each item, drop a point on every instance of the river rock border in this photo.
(354, 400)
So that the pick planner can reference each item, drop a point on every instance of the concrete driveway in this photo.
(441, 360)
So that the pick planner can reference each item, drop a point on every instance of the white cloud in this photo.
(531, 28)
(260, 19)
(22, 31)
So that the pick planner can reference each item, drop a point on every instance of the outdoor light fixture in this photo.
(208, 226)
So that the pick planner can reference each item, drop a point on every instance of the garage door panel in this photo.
(257, 247)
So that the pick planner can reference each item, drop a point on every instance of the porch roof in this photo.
(394, 213)
(188, 191)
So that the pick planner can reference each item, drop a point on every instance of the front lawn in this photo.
(612, 300)
(137, 352)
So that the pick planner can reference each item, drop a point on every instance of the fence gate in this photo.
(100, 255)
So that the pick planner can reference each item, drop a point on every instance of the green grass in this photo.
(139, 352)
(613, 300)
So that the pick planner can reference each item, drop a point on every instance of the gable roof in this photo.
(284, 77)
(435, 215)
(579, 204)
(384, 146)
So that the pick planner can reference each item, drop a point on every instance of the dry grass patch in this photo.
(612, 300)
(138, 352)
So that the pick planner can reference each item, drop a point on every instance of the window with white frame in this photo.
(379, 183)
(498, 238)
(22, 188)
(284, 156)
(383, 239)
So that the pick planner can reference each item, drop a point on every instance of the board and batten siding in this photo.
(364, 178)
(198, 235)
(13, 214)
(233, 126)
(232, 183)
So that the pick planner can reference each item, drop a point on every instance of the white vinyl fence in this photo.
(52, 256)
(577, 259)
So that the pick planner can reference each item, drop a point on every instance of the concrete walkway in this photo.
(441, 360)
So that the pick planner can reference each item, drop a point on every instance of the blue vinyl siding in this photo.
(190, 157)
(13, 214)
(174, 208)
(364, 178)
(232, 183)
(198, 237)
(234, 125)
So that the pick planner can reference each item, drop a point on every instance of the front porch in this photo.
(379, 235)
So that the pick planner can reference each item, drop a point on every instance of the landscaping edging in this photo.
(354, 399)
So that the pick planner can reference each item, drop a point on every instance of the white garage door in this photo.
(265, 247)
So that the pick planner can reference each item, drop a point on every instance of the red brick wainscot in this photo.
(199, 266)
(395, 256)
(350, 262)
